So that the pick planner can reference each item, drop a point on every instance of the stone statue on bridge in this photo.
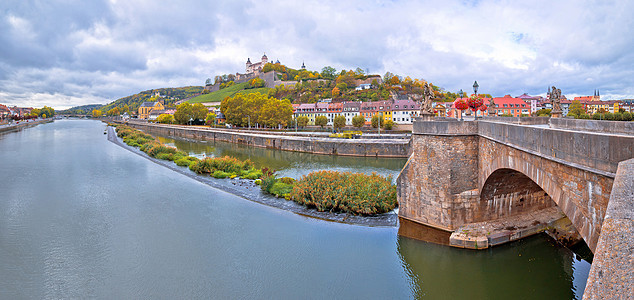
(555, 99)
(426, 110)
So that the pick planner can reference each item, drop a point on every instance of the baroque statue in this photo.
(555, 98)
(428, 95)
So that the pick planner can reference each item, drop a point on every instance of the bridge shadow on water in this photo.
(536, 267)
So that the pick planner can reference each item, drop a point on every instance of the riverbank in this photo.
(23, 124)
(249, 190)
(393, 147)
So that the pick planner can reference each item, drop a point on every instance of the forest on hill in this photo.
(131, 103)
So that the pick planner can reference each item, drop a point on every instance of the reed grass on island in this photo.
(346, 192)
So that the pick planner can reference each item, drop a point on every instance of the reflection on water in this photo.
(532, 268)
(288, 163)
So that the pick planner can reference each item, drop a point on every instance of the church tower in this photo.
(264, 59)
(248, 69)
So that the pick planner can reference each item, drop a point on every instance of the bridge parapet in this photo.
(595, 152)
(611, 273)
(613, 127)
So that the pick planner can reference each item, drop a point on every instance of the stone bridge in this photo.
(468, 172)
(486, 170)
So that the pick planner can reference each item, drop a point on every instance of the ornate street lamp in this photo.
(475, 87)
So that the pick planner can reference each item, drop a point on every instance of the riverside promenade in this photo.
(376, 146)
(23, 124)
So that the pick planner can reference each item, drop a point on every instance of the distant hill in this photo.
(79, 110)
(220, 95)
(134, 101)
(170, 96)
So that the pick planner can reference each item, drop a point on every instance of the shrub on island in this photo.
(346, 192)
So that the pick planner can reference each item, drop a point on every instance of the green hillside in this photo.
(220, 95)
(134, 101)
(79, 110)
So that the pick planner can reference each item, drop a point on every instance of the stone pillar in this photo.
(440, 173)
(556, 114)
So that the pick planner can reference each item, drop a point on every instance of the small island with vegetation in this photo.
(324, 191)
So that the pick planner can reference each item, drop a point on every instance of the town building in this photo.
(404, 111)
(351, 109)
(146, 107)
(508, 105)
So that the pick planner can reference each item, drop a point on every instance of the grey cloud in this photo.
(103, 50)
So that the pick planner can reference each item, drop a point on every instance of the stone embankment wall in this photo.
(611, 275)
(351, 147)
(615, 127)
(445, 182)
(23, 124)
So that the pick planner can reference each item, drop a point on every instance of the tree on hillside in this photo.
(96, 113)
(256, 83)
(358, 121)
(339, 122)
(321, 121)
(335, 92)
(328, 72)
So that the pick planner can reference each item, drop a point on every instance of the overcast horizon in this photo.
(69, 53)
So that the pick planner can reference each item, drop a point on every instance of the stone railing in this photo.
(611, 127)
(611, 274)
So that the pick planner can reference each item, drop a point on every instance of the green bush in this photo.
(627, 116)
(220, 174)
(608, 116)
(584, 116)
(597, 116)
(226, 164)
(281, 189)
(253, 174)
(618, 116)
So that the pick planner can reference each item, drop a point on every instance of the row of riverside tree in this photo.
(249, 109)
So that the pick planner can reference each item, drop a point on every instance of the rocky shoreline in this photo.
(248, 190)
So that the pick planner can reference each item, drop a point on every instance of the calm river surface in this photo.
(81, 217)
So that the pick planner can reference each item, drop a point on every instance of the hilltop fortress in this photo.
(254, 70)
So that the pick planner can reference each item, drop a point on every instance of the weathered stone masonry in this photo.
(466, 172)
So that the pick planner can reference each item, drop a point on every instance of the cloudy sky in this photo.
(64, 53)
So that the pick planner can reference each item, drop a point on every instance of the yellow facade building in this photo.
(147, 107)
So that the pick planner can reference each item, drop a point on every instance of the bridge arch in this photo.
(580, 194)
(507, 192)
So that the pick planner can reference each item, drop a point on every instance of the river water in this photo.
(81, 217)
